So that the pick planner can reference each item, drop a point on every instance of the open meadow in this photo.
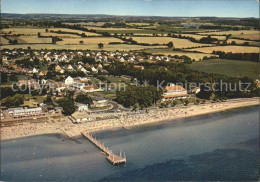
(227, 67)
(233, 49)
(119, 47)
(238, 41)
(4, 41)
(32, 31)
(178, 43)
(90, 40)
(245, 34)
(32, 40)
(193, 55)
(198, 37)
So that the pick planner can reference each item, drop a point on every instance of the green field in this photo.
(229, 67)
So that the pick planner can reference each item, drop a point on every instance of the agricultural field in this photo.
(168, 28)
(4, 41)
(198, 37)
(90, 40)
(238, 41)
(34, 31)
(228, 67)
(124, 30)
(95, 24)
(245, 34)
(119, 47)
(178, 43)
(192, 55)
(138, 24)
(32, 40)
(233, 49)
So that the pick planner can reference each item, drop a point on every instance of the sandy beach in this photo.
(118, 120)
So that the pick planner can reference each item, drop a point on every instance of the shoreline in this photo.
(125, 120)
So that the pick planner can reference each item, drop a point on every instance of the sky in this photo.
(179, 8)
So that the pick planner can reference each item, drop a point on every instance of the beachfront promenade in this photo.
(111, 157)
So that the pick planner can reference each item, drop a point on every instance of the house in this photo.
(62, 71)
(69, 80)
(139, 67)
(48, 59)
(173, 92)
(79, 67)
(84, 70)
(99, 102)
(70, 68)
(91, 88)
(58, 68)
(195, 90)
(28, 82)
(35, 70)
(83, 79)
(94, 69)
(43, 72)
(100, 66)
(81, 107)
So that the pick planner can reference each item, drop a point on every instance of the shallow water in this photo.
(222, 146)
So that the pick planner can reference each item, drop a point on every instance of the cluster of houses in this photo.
(99, 56)
(61, 62)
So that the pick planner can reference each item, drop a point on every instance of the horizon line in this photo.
(130, 15)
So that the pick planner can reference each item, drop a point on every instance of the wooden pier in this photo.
(111, 157)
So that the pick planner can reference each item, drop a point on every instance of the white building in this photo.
(94, 69)
(82, 107)
(25, 112)
(173, 92)
(69, 80)
(35, 70)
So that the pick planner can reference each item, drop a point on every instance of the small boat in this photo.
(103, 153)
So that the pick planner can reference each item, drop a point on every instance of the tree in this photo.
(13, 101)
(143, 95)
(36, 61)
(197, 101)
(46, 30)
(205, 92)
(174, 103)
(186, 102)
(246, 43)
(135, 107)
(81, 42)
(4, 77)
(170, 44)
(48, 100)
(67, 105)
(100, 45)
(84, 99)
(233, 43)
(13, 77)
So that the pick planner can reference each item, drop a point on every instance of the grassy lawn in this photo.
(117, 79)
(106, 94)
(229, 67)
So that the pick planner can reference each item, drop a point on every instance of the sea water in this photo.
(220, 146)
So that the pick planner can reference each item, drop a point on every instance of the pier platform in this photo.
(111, 157)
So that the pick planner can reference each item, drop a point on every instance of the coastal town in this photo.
(88, 87)
(37, 82)
(123, 90)
(69, 78)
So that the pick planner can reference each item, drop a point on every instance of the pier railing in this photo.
(111, 157)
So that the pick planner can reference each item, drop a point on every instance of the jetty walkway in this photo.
(111, 157)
